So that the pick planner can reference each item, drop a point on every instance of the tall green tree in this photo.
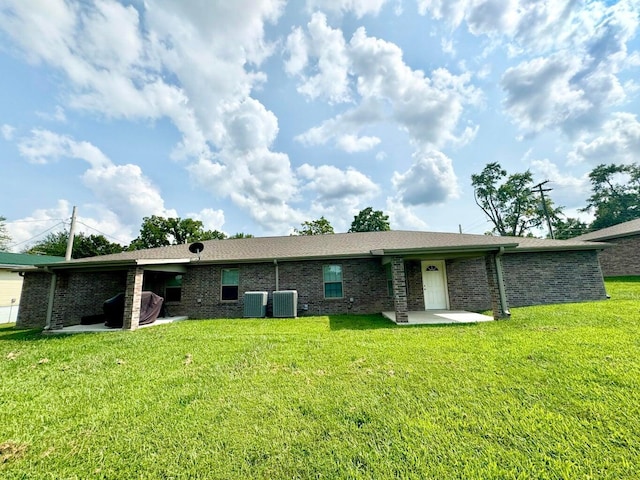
(159, 231)
(370, 220)
(616, 194)
(320, 226)
(509, 201)
(5, 239)
(240, 235)
(564, 228)
(83, 245)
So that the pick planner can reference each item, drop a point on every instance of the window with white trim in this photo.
(332, 277)
(230, 281)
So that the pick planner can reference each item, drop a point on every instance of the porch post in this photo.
(399, 281)
(133, 298)
(499, 302)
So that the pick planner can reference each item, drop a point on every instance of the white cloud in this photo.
(297, 50)
(359, 7)
(566, 190)
(35, 227)
(353, 143)
(427, 108)
(344, 128)
(541, 93)
(92, 219)
(258, 180)
(7, 131)
(328, 47)
(57, 116)
(123, 189)
(247, 126)
(402, 217)
(580, 49)
(617, 142)
(430, 180)
(333, 185)
(211, 219)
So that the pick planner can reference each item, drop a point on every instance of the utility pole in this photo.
(72, 232)
(544, 204)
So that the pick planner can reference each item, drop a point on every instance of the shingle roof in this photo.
(625, 229)
(23, 259)
(329, 246)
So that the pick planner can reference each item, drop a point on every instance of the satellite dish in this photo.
(196, 248)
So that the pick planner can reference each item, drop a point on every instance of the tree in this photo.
(320, 226)
(5, 239)
(568, 228)
(370, 220)
(83, 245)
(159, 232)
(511, 205)
(241, 235)
(616, 194)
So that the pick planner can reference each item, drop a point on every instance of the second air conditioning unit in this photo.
(285, 304)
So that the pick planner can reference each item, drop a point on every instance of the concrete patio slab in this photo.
(100, 327)
(440, 317)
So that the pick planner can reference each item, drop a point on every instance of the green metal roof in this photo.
(25, 259)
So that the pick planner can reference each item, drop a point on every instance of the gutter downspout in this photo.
(52, 291)
(501, 290)
(275, 262)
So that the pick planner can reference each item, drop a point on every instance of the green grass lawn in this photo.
(552, 393)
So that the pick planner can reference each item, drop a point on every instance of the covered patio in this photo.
(439, 317)
(101, 327)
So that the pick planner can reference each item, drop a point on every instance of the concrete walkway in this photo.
(439, 317)
(100, 327)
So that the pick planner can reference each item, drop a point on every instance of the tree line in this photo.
(510, 202)
(514, 207)
(157, 231)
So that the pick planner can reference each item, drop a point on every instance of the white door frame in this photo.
(442, 267)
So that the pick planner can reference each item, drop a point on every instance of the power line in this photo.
(102, 233)
(36, 221)
(36, 236)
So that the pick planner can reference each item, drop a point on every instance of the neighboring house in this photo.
(11, 280)
(623, 258)
(342, 273)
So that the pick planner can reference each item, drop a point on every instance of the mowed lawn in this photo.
(552, 393)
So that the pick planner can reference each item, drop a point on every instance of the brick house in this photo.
(11, 266)
(623, 258)
(360, 273)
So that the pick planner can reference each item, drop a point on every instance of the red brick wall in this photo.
(34, 300)
(467, 282)
(552, 277)
(364, 281)
(621, 259)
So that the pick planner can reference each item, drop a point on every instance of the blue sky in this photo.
(256, 115)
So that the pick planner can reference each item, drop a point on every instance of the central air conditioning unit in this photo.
(255, 304)
(285, 304)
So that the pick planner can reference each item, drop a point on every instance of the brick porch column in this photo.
(399, 280)
(133, 298)
(499, 302)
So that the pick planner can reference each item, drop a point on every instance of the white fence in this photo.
(9, 314)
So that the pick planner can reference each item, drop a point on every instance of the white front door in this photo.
(434, 285)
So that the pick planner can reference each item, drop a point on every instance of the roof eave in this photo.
(447, 249)
(564, 248)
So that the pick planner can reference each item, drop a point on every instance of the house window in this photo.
(230, 277)
(173, 289)
(332, 275)
(389, 279)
